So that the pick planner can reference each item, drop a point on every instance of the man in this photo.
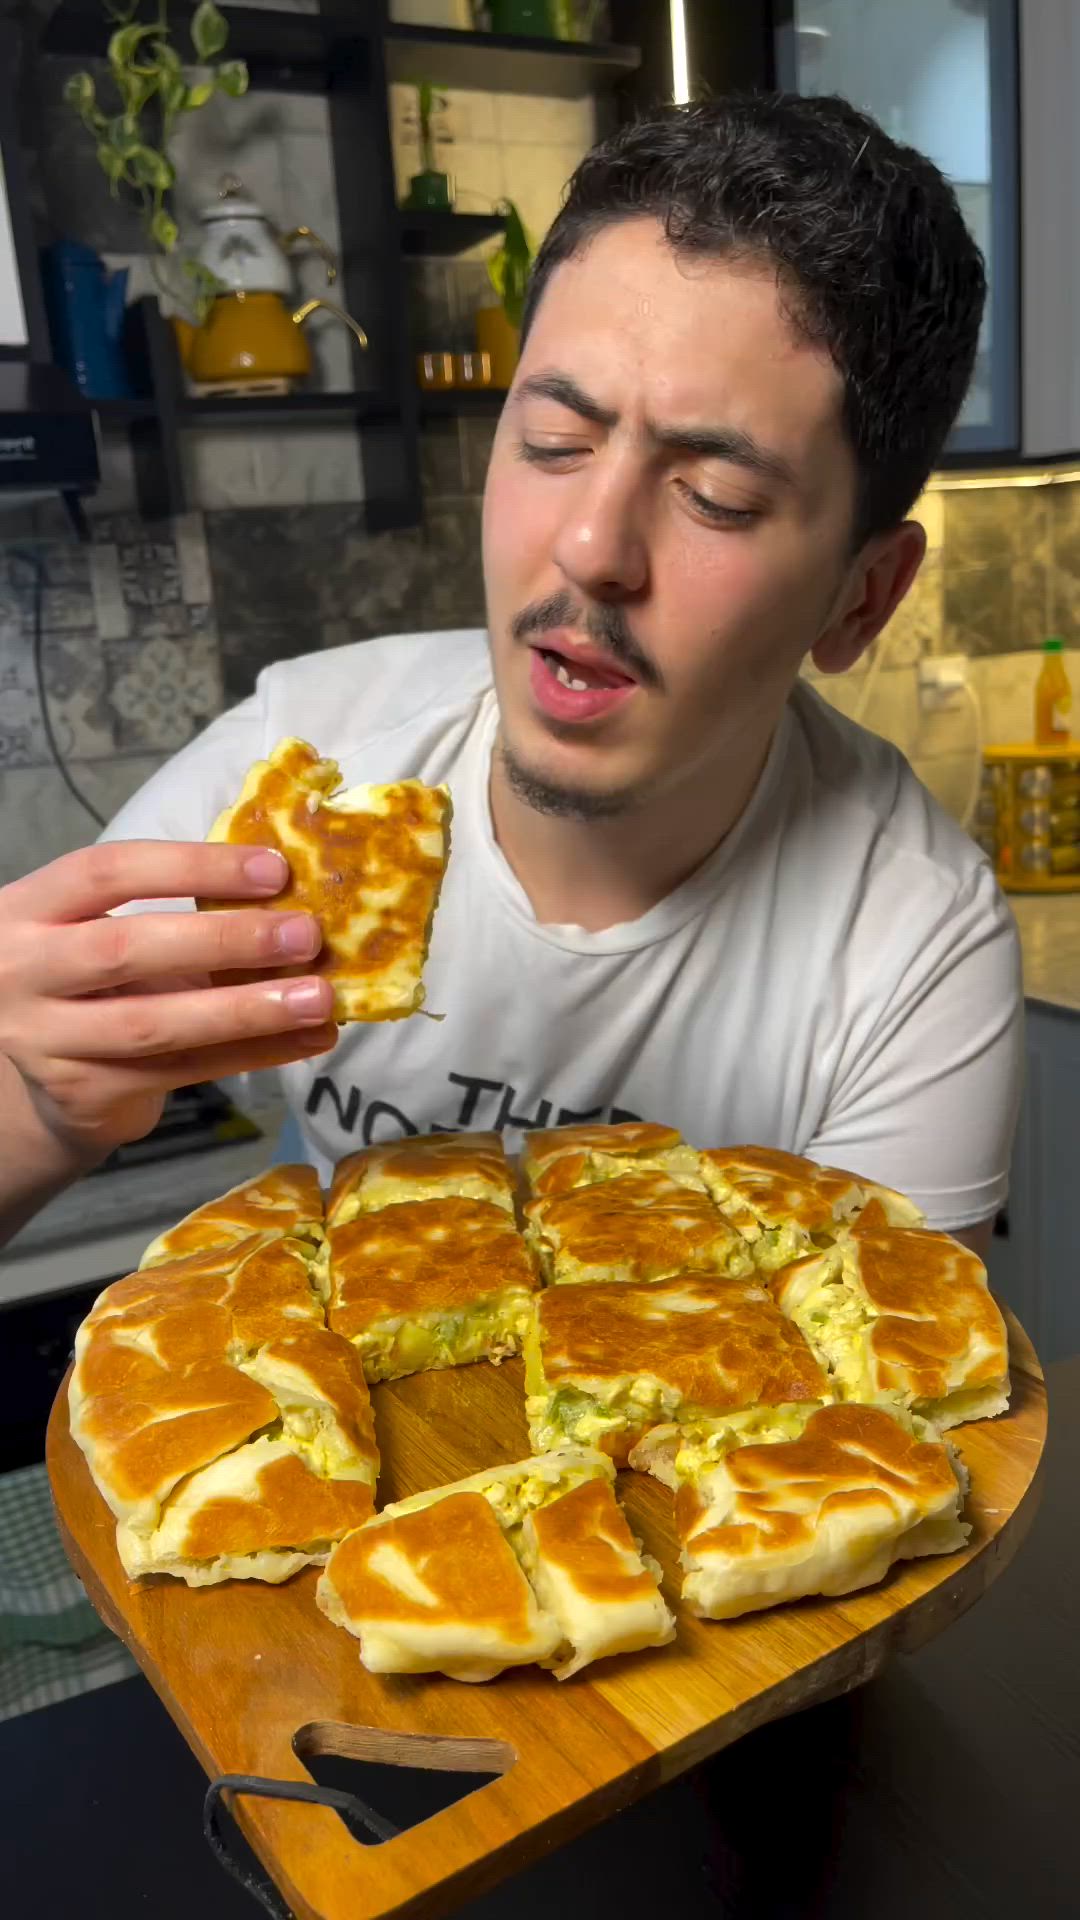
(681, 886)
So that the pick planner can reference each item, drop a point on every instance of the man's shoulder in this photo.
(346, 696)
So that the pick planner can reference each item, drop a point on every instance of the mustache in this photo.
(605, 625)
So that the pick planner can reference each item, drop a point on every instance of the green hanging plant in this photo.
(132, 143)
(508, 268)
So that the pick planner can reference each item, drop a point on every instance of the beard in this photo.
(606, 625)
(561, 801)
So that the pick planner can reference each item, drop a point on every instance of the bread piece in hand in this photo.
(367, 863)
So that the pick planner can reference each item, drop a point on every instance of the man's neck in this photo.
(604, 873)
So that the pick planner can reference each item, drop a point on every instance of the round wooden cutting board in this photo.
(256, 1678)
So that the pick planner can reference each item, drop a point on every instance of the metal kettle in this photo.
(253, 333)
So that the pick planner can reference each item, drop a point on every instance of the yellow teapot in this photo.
(253, 333)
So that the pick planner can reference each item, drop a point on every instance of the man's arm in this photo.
(34, 1164)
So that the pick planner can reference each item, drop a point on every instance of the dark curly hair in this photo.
(872, 256)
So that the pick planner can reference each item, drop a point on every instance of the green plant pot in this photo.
(430, 193)
(523, 16)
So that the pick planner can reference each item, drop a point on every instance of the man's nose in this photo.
(601, 546)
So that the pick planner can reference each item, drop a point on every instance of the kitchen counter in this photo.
(1050, 938)
(98, 1228)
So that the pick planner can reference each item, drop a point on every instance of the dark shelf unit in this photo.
(310, 408)
(441, 402)
(445, 233)
(350, 52)
(290, 52)
(120, 413)
(506, 63)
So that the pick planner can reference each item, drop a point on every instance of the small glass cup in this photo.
(472, 370)
(435, 371)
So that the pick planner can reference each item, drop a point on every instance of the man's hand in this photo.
(101, 1016)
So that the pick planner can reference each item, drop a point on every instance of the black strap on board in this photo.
(346, 1804)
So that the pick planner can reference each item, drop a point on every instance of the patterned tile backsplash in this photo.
(150, 631)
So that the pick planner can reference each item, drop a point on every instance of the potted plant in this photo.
(429, 190)
(498, 328)
(147, 76)
(522, 16)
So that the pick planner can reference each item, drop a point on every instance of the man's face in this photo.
(667, 520)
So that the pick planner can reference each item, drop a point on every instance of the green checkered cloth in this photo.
(52, 1644)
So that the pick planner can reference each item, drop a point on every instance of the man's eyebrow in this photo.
(708, 443)
(566, 393)
(726, 443)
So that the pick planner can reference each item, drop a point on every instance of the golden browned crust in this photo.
(435, 1166)
(937, 1326)
(718, 1343)
(421, 1256)
(919, 1323)
(370, 875)
(286, 1199)
(142, 1440)
(850, 1461)
(555, 1159)
(178, 1366)
(639, 1226)
(585, 1534)
(458, 1554)
(329, 1368)
(762, 1187)
(285, 1506)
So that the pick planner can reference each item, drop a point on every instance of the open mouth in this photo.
(576, 685)
(580, 673)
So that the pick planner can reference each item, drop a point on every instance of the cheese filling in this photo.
(836, 1324)
(585, 1419)
(488, 1331)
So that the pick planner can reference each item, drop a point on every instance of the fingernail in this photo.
(298, 937)
(267, 869)
(306, 1000)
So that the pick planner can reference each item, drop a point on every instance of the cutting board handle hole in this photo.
(402, 1778)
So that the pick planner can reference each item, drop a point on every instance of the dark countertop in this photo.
(947, 1789)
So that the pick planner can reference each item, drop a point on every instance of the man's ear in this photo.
(878, 581)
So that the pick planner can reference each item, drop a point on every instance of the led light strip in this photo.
(1025, 477)
(680, 57)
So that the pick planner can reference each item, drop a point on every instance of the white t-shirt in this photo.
(840, 978)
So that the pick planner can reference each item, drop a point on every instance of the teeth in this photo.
(562, 675)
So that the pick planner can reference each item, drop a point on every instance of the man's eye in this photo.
(541, 456)
(715, 510)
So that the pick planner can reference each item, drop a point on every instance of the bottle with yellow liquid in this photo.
(1053, 698)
